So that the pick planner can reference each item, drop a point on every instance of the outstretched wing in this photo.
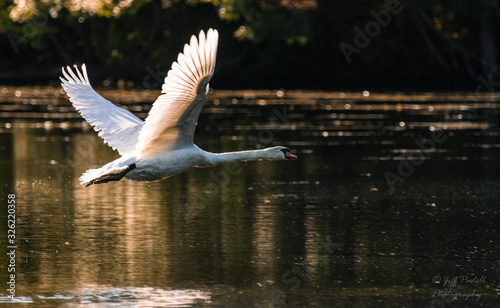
(172, 119)
(118, 127)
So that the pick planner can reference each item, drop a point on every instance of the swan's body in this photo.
(162, 145)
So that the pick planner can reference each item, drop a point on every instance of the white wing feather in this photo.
(118, 127)
(172, 119)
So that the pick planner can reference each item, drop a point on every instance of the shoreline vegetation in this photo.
(383, 45)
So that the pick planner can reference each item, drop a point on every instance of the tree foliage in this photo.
(264, 43)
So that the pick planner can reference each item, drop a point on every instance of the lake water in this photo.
(393, 202)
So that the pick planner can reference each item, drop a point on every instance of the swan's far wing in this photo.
(118, 127)
(172, 119)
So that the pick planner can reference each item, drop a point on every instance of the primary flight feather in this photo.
(162, 145)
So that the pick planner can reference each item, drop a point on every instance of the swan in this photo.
(162, 145)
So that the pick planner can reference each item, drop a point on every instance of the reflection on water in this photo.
(329, 229)
(99, 296)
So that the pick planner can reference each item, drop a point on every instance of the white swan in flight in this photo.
(162, 145)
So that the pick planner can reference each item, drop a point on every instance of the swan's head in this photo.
(281, 153)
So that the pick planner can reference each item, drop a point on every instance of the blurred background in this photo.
(291, 44)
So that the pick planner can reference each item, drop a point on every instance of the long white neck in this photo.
(213, 159)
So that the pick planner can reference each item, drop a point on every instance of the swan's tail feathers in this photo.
(104, 175)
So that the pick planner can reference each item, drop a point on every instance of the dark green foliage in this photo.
(428, 44)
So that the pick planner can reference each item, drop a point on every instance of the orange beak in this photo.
(289, 155)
